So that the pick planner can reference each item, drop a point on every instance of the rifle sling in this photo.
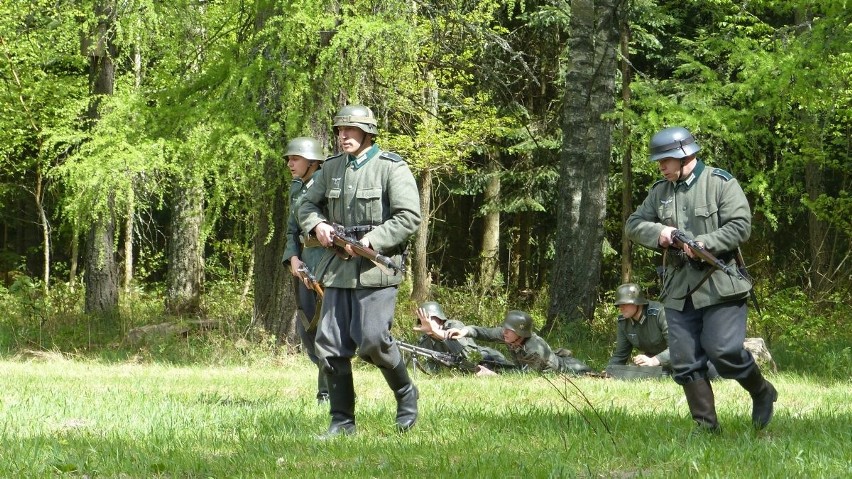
(695, 288)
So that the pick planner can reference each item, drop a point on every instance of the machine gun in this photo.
(447, 360)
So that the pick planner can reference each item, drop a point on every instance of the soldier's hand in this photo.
(665, 239)
(295, 264)
(642, 360)
(455, 333)
(324, 233)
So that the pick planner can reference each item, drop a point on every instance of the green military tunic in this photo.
(710, 207)
(649, 335)
(295, 238)
(380, 192)
(534, 353)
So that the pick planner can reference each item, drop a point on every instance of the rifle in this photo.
(309, 279)
(679, 238)
(341, 239)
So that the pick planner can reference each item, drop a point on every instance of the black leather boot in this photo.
(763, 397)
(341, 394)
(702, 405)
(322, 387)
(406, 395)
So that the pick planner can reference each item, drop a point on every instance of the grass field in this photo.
(77, 418)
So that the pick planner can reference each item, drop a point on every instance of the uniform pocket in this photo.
(369, 205)
(706, 218)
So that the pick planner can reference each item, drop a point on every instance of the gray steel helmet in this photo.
(306, 147)
(673, 142)
(519, 322)
(358, 116)
(629, 293)
(434, 309)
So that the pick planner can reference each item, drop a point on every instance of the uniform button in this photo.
(350, 187)
(683, 208)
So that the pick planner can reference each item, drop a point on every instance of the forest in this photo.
(142, 174)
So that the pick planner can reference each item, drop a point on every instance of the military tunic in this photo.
(709, 325)
(650, 335)
(534, 353)
(377, 195)
(307, 299)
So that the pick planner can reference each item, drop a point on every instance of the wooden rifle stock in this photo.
(680, 238)
(309, 279)
(341, 240)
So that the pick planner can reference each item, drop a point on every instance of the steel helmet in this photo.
(629, 293)
(673, 142)
(306, 147)
(358, 116)
(519, 322)
(434, 309)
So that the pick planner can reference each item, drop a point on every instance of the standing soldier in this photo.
(706, 311)
(373, 195)
(304, 159)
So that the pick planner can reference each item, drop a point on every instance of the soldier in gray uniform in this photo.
(526, 348)
(373, 194)
(641, 325)
(706, 314)
(434, 324)
(304, 159)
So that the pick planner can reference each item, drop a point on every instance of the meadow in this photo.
(62, 416)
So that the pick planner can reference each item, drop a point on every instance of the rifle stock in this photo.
(309, 279)
(680, 238)
(341, 240)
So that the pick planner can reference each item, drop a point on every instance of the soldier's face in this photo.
(511, 338)
(298, 165)
(628, 310)
(670, 168)
(352, 140)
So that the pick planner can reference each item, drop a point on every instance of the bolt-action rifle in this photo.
(340, 239)
(309, 279)
(679, 238)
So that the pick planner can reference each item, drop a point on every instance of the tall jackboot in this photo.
(341, 394)
(702, 405)
(322, 387)
(406, 395)
(763, 395)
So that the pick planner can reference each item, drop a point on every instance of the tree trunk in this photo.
(490, 250)
(274, 302)
(585, 161)
(421, 281)
(128, 242)
(185, 279)
(627, 159)
(101, 268)
(45, 231)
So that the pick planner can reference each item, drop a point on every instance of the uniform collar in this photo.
(358, 161)
(693, 176)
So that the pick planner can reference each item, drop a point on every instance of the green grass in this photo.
(79, 418)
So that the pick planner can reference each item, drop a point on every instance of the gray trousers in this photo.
(307, 300)
(357, 320)
(715, 333)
